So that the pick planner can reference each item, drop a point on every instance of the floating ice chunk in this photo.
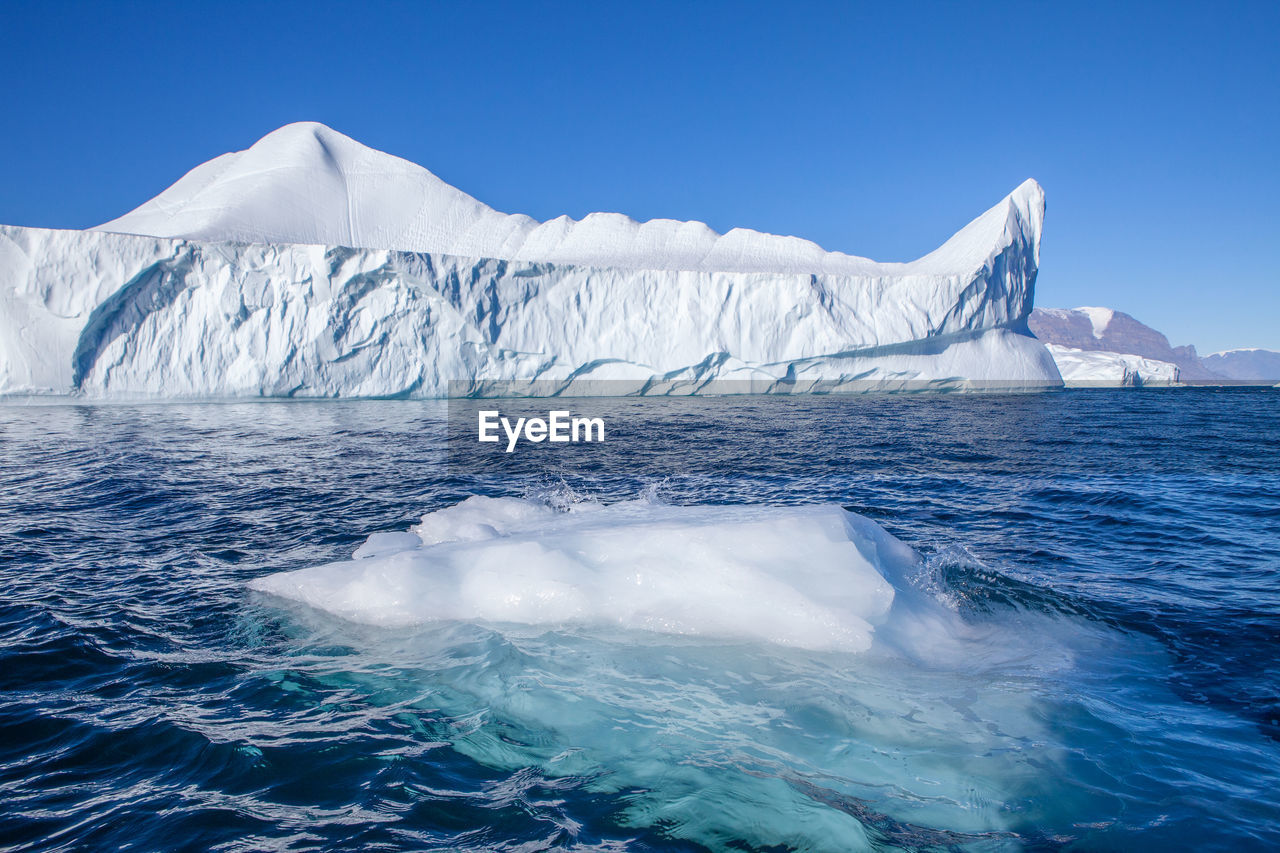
(816, 577)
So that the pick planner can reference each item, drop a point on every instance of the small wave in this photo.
(959, 579)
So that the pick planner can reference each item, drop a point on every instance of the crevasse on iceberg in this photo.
(223, 286)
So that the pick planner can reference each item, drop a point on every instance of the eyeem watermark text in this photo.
(559, 427)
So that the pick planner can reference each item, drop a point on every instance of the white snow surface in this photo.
(1099, 318)
(307, 183)
(1098, 368)
(310, 265)
(817, 577)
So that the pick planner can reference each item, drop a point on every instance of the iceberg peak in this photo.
(307, 183)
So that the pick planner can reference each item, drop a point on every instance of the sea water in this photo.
(978, 622)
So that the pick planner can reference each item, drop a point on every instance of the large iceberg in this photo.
(310, 265)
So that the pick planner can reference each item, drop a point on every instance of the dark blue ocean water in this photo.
(1116, 555)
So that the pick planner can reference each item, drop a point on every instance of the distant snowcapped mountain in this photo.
(307, 183)
(1249, 364)
(1104, 330)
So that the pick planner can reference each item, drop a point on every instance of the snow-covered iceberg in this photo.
(1099, 368)
(310, 265)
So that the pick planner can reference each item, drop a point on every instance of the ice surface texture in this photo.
(816, 577)
(1088, 368)
(310, 265)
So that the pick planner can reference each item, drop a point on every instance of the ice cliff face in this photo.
(1098, 368)
(312, 266)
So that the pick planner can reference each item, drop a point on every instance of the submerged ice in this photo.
(814, 577)
(766, 677)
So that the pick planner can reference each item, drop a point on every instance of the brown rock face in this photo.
(1073, 327)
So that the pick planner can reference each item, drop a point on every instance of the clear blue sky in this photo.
(876, 128)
